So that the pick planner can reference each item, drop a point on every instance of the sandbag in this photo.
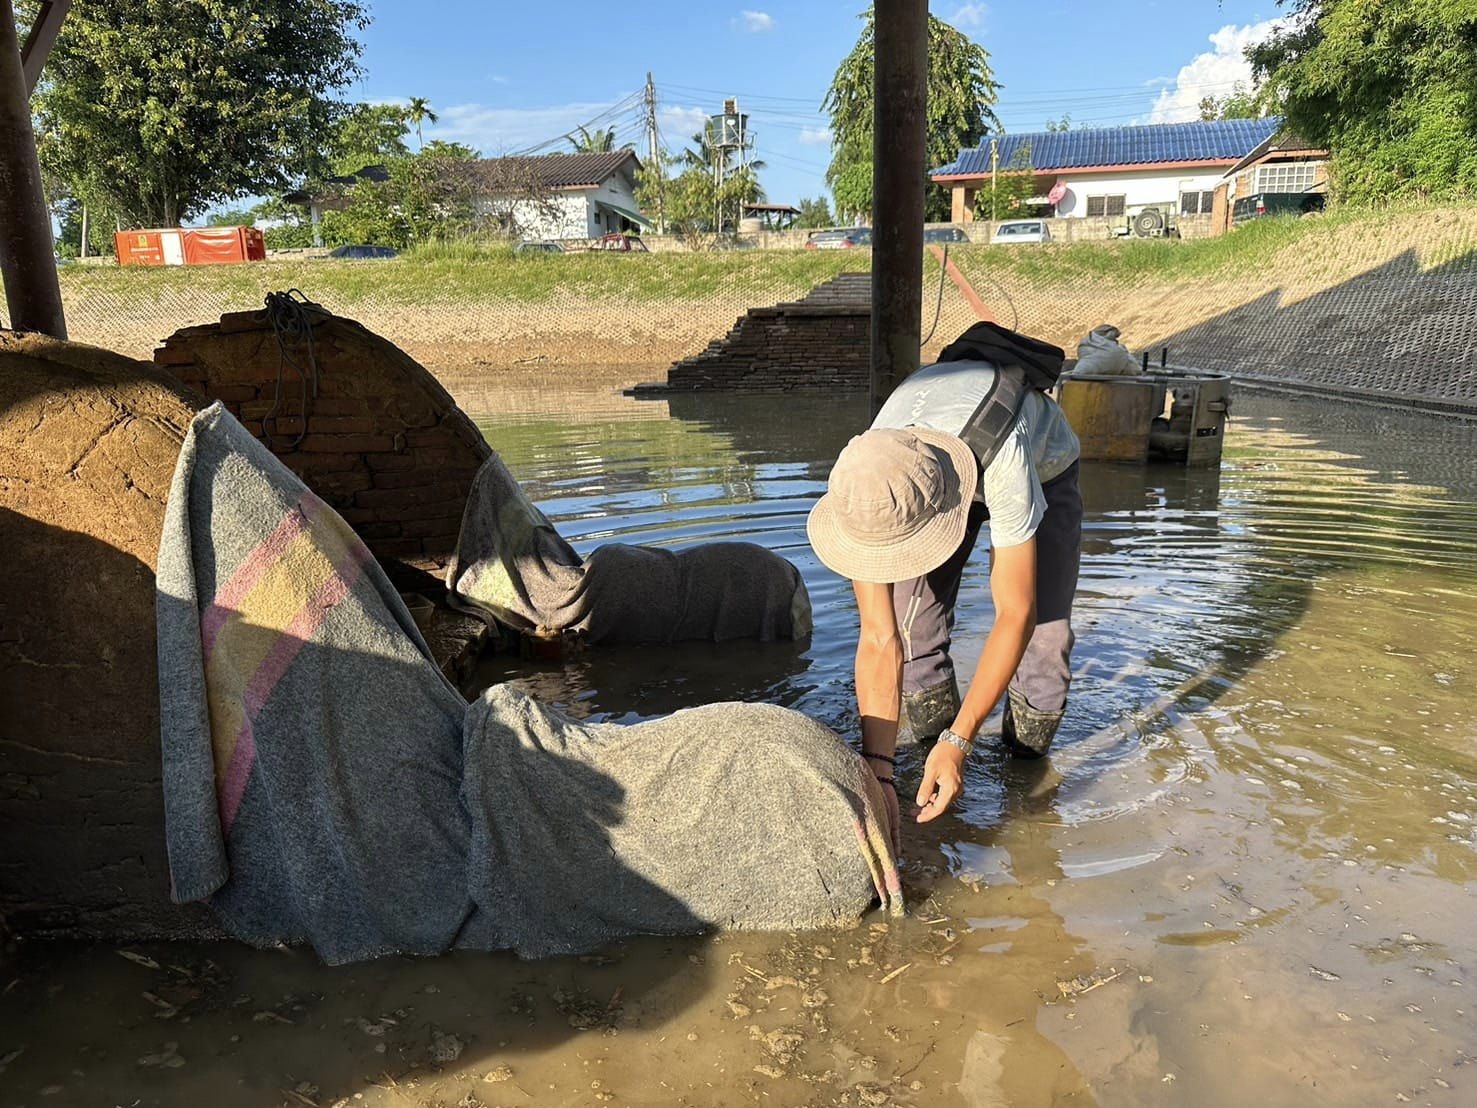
(512, 567)
(1100, 354)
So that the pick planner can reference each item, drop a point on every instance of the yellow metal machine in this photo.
(1170, 415)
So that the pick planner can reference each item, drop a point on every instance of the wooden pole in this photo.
(899, 127)
(27, 254)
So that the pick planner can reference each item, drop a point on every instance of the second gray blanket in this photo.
(513, 567)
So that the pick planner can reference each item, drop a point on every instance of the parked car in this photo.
(943, 234)
(544, 247)
(621, 244)
(1021, 230)
(363, 252)
(1276, 203)
(840, 238)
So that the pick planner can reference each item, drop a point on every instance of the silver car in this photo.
(1021, 230)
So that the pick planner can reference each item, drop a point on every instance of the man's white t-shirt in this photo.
(1040, 447)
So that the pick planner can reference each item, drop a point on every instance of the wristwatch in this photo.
(948, 735)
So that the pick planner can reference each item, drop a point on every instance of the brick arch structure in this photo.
(384, 442)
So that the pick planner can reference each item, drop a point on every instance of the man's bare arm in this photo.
(879, 668)
(1013, 588)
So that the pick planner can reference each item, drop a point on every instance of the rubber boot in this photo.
(1026, 731)
(927, 713)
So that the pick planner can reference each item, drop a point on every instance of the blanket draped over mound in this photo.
(513, 567)
(324, 784)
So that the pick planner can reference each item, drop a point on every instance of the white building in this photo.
(1109, 171)
(561, 196)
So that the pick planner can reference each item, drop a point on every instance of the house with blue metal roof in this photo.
(1108, 171)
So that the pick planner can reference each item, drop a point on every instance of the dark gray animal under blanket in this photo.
(513, 567)
(324, 784)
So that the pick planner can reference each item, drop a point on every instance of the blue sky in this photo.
(504, 77)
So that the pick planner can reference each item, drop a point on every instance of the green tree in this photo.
(427, 196)
(363, 134)
(231, 217)
(1005, 193)
(814, 213)
(419, 111)
(961, 98)
(158, 109)
(598, 141)
(1390, 88)
(691, 202)
(1239, 103)
(1054, 126)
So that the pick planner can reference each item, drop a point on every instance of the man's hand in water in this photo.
(943, 781)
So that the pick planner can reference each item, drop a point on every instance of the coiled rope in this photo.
(291, 315)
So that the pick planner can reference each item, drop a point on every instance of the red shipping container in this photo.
(190, 246)
(139, 247)
(223, 245)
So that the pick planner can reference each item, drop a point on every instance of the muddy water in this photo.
(1245, 875)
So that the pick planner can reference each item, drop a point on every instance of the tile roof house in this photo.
(582, 196)
(1108, 171)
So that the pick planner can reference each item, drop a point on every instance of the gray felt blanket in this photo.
(324, 784)
(737, 816)
(312, 749)
(513, 567)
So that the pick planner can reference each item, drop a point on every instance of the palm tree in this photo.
(417, 111)
(594, 142)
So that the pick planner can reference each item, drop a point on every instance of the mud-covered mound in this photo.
(88, 442)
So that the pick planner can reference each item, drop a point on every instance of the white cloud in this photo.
(678, 124)
(1213, 73)
(755, 22)
(969, 17)
(498, 130)
(815, 136)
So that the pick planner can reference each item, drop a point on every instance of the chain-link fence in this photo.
(1385, 304)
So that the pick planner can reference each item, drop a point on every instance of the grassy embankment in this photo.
(455, 272)
(440, 273)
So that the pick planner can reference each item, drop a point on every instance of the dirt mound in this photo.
(88, 441)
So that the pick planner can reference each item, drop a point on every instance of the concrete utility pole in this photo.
(899, 127)
(27, 254)
(654, 155)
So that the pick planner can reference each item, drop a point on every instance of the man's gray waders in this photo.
(1037, 697)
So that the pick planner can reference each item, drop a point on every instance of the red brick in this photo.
(174, 355)
(230, 393)
(347, 444)
(455, 476)
(321, 463)
(343, 483)
(236, 322)
(341, 424)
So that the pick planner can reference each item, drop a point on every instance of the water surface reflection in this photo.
(1262, 802)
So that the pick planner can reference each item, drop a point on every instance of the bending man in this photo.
(963, 442)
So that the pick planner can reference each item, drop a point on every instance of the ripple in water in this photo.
(1296, 604)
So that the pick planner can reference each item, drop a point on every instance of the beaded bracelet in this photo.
(880, 758)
